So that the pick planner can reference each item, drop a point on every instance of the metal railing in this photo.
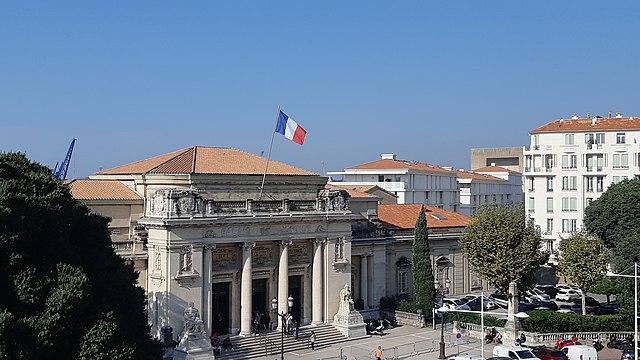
(270, 348)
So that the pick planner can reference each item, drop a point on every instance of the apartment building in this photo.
(489, 184)
(411, 181)
(571, 162)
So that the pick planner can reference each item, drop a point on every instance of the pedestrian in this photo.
(297, 329)
(312, 340)
(377, 353)
(289, 324)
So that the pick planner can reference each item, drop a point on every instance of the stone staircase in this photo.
(268, 344)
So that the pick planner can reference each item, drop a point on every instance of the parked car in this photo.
(548, 289)
(628, 354)
(607, 308)
(580, 352)
(545, 305)
(590, 304)
(569, 309)
(455, 304)
(501, 300)
(514, 352)
(524, 307)
(489, 304)
(567, 295)
(545, 353)
(537, 294)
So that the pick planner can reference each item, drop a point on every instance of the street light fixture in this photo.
(274, 307)
(443, 291)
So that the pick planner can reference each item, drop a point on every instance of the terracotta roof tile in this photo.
(207, 160)
(494, 169)
(584, 124)
(87, 189)
(404, 216)
(476, 176)
(354, 191)
(400, 164)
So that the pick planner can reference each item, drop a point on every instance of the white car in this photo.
(538, 294)
(567, 295)
(455, 304)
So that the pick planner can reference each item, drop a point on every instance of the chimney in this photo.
(493, 164)
(618, 115)
(575, 116)
(594, 120)
(390, 156)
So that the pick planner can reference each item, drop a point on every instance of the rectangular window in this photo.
(568, 139)
(624, 161)
(531, 184)
(532, 204)
(590, 184)
(402, 282)
(616, 179)
(565, 225)
(599, 184)
(565, 161)
(599, 138)
(616, 161)
(549, 183)
(565, 183)
(565, 204)
(620, 138)
(589, 139)
(574, 225)
(549, 205)
(573, 182)
(573, 204)
(573, 162)
(549, 226)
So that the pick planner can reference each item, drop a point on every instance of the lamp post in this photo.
(635, 304)
(520, 315)
(274, 307)
(442, 291)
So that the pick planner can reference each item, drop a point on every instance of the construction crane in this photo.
(60, 172)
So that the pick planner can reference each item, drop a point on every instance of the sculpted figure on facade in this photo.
(186, 261)
(346, 301)
(193, 329)
(334, 200)
(157, 259)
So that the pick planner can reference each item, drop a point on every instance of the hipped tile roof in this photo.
(587, 124)
(354, 190)
(88, 189)
(206, 160)
(404, 216)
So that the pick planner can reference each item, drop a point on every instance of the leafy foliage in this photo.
(65, 293)
(584, 260)
(475, 319)
(503, 246)
(607, 286)
(615, 214)
(423, 281)
(543, 321)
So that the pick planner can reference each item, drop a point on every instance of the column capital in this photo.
(209, 247)
(286, 243)
(320, 240)
(248, 245)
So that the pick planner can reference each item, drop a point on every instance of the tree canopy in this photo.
(615, 214)
(502, 245)
(423, 281)
(583, 260)
(65, 293)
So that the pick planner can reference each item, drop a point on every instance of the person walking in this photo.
(377, 353)
(312, 340)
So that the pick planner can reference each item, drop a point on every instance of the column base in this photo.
(317, 323)
(244, 334)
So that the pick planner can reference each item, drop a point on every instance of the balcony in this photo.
(130, 249)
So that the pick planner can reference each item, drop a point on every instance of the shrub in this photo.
(550, 321)
(400, 303)
(475, 319)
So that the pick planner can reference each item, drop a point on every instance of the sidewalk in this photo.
(403, 342)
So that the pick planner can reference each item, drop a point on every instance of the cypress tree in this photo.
(423, 282)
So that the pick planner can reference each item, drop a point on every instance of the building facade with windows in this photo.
(571, 162)
(411, 181)
(482, 186)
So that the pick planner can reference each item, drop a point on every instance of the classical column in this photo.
(207, 302)
(245, 292)
(317, 305)
(283, 279)
(306, 304)
(363, 281)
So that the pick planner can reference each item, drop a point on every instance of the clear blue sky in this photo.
(426, 80)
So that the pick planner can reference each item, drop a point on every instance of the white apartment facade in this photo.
(571, 162)
(412, 182)
(482, 186)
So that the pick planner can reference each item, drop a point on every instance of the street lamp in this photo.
(635, 303)
(521, 315)
(442, 291)
(274, 307)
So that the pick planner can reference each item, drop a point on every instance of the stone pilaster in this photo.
(245, 292)
(207, 298)
(364, 280)
(317, 305)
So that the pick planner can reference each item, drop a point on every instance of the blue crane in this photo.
(60, 172)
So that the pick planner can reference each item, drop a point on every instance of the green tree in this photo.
(616, 213)
(607, 286)
(65, 293)
(583, 260)
(423, 281)
(502, 245)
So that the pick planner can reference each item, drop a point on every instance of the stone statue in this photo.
(346, 302)
(193, 326)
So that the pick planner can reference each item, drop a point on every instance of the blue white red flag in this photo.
(290, 129)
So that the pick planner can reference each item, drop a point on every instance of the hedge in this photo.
(475, 319)
(400, 303)
(542, 321)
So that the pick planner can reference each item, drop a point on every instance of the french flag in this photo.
(290, 129)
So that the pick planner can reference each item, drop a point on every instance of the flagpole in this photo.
(273, 134)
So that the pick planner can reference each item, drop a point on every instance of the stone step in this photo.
(253, 346)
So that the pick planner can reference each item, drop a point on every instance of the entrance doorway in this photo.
(259, 297)
(295, 290)
(221, 308)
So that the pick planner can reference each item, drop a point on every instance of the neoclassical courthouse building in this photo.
(199, 230)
